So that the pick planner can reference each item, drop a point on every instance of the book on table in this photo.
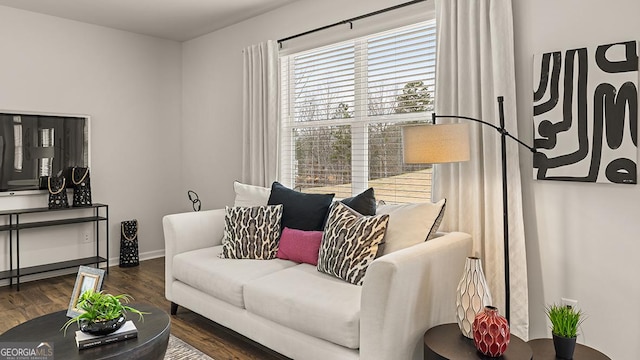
(127, 331)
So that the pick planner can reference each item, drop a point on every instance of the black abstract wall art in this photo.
(585, 114)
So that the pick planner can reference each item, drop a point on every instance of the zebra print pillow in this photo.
(251, 232)
(350, 243)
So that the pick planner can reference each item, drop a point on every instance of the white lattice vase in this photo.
(472, 295)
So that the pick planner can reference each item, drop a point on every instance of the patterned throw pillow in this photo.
(350, 243)
(251, 232)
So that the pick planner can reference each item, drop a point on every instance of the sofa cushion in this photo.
(364, 203)
(300, 246)
(221, 278)
(250, 195)
(313, 303)
(251, 232)
(350, 243)
(410, 224)
(301, 211)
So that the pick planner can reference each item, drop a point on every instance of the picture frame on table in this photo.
(88, 279)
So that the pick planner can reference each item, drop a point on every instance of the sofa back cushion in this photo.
(251, 232)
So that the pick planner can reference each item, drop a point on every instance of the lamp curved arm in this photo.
(499, 129)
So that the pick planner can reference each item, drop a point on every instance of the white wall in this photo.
(130, 86)
(582, 239)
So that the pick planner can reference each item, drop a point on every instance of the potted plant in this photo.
(103, 313)
(565, 321)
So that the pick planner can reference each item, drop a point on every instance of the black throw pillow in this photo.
(301, 211)
(364, 203)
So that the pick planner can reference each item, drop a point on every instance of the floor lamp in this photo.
(446, 143)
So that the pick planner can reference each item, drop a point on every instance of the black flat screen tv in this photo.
(34, 146)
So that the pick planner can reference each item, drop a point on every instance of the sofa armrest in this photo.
(407, 292)
(189, 231)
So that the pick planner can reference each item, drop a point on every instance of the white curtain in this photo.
(475, 65)
(260, 115)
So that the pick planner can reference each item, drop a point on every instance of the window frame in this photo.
(359, 122)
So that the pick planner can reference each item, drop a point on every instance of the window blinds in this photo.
(343, 108)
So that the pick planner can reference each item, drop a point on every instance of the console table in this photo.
(16, 224)
(447, 342)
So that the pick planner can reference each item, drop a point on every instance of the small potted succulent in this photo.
(102, 313)
(565, 321)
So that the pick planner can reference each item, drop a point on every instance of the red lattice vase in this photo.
(491, 334)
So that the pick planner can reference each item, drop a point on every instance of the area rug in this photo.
(180, 350)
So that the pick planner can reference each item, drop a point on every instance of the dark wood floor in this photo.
(146, 284)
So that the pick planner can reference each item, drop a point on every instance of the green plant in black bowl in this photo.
(103, 313)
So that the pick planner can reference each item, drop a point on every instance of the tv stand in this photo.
(15, 226)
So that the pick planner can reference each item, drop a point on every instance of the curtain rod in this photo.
(350, 21)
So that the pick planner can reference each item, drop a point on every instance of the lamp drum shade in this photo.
(435, 144)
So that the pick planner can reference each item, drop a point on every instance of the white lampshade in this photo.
(435, 144)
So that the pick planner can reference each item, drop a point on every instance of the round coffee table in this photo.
(447, 342)
(543, 349)
(151, 343)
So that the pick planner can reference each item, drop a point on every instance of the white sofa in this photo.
(304, 314)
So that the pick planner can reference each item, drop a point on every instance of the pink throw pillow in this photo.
(300, 246)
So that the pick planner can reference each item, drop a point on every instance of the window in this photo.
(343, 107)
